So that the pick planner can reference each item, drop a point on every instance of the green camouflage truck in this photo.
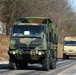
(33, 40)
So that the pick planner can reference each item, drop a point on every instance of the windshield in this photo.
(28, 30)
(70, 43)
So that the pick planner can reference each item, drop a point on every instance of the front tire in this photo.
(46, 64)
(65, 57)
(12, 65)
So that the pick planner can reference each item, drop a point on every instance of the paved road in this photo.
(64, 67)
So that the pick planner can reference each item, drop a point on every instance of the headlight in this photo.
(40, 53)
(12, 52)
(34, 52)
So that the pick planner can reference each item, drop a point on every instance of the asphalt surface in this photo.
(64, 67)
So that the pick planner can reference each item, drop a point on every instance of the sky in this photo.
(73, 4)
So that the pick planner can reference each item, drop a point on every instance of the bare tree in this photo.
(58, 11)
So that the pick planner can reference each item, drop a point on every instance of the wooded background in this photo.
(59, 11)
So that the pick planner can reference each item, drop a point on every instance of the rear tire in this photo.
(53, 59)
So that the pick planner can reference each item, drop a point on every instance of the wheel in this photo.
(65, 56)
(53, 59)
(12, 65)
(22, 65)
(52, 64)
(46, 64)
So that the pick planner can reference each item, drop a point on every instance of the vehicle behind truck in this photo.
(33, 40)
(69, 47)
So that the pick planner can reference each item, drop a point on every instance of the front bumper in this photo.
(26, 55)
(70, 52)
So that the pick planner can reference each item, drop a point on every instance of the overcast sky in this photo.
(73, 4)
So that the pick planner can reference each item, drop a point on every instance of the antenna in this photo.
(47, 14)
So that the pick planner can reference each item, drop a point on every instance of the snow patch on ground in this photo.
(4, 62)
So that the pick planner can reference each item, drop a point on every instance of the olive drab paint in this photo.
(33, 50)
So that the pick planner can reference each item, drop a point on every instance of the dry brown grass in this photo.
(4, 46)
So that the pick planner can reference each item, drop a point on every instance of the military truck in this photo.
(69, 47)
(33, 40)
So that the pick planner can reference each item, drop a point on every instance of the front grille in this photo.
(26, 52)
(27, 48)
